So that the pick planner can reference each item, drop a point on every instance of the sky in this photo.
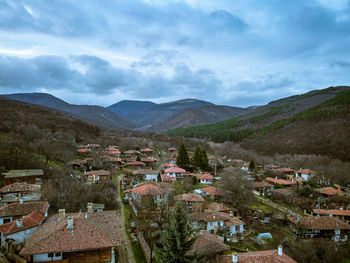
(238, 53)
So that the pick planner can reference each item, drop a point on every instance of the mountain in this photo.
(197, 116)
(316, 122)
(127, 106)
(154, 114)
(97, 115)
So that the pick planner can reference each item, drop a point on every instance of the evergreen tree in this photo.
(251, 165)
(182, 159)
(204, 165)
(176, 239)
(197, 158)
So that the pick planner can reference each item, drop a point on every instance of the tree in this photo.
(176, 239)
(251, 165)
(200, 159)
(238, 190)
(182, 159)
(204, 165)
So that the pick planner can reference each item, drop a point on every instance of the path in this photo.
(276, 206)
(126, 254)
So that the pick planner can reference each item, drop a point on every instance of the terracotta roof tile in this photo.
(28, 221)
(332, 212)
(18, 209)
(20, 187)
(190, 198)
(175, 170)
(205, 177)
(148, 189)
(280, 181)
(321, 222)
(328, 191)
(98, 230)
(208, 244)
(267, 256)
(212, 190)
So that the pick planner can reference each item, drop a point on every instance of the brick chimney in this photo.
(19, 223)
(61, 213)
(89, 207)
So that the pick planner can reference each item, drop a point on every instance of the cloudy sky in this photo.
(240, 53)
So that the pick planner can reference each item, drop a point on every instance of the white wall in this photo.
(19, 237)
(151, 177)
(44, 257)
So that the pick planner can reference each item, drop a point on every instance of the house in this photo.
(15, 211)
(19, 192)
(208, 246)
(168, 179)
(339, 213)
(146, 175)
(151, 193)
(77, 163)
(168, 165)
(213, 221)
(113, 150)
(193, 202)
(212, 192)
(267, 256)
(176, 172)
(134, 165)
(146, 151)
(98, 175)
(149, 161)
(217, 207)
(75, 237)
(20, 230)
(130, 153)
(172, 151)
(28, 176)
(281, 181)
(94, 207)
(305, 174)
(320, 226)
(287, 172)
(328, 191)
(262, 187)
(205, 179)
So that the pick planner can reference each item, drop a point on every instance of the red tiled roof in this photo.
(205, 177)
(148, 189)
(211, 190)
(208, 244)
(332, 212)
(84, 150)
(217, 207)
(261, 184)
(130, 152)
(175, 170)
(135, 163)
(144, 172)
(280, 181)
(115, 159)
(18, 209)
(306, 171)
(98, 172)
(20, 187)
(166, 178)
(164, 165)
(321, 222)
(328, 191)
(98, 230)
(146, 150)
(28, 221)
(285, 170)
(267, 256)
(189, 198)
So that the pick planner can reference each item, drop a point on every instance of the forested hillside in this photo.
(320, 129)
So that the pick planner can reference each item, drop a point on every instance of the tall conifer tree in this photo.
(177, 238)
(182, 159)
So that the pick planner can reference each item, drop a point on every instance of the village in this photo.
(240, 211)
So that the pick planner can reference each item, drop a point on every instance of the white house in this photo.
(176, 172)
(205, 179)
(20, 230)
(305, 174)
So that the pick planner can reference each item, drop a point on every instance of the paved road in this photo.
(126, 254)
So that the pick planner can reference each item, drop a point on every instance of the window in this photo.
(59, 254)
(6, 220)
(50, 255)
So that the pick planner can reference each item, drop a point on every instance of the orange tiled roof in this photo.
(175, 170)
(18, 209)
(212, 190)
(190, 198)
(167, 178)
(146, 150)
(306, 171)
(205, 177)
(28, 221)
(267, 256)
(148, 189)
(321, 222)
(217, 207)
(208, 244)
(98, 230)
(144, 172)
(135, 163)
(332, 212)
(328, 191)
(280, 181)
